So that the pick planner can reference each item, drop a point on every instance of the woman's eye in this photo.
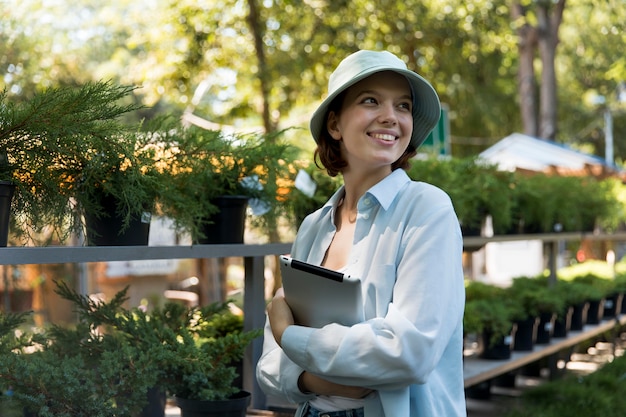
(406, 106)
(369, 100)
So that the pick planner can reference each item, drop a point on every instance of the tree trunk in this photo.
(254, 20)
(257, 32)
(527, 41)
(548, 28)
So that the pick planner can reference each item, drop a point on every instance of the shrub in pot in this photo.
(540, 301)
(539, 199)
(490, 315)
(195, 350)
(119, 189)
(73, 372)
(206, 167)
(44, 141)
(597, 289)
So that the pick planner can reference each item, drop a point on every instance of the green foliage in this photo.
(201, 165)
(193, 350)
(597, 287)
(67, 144)
(536, 296)
(300, 205)
(454, 176)
(105, 365)
(9, 324)
(488, 308)
(601, 393)
(73, 372)
(211, 44)
(521, 203)
(590, 203)
(492, 315)
(48, 384)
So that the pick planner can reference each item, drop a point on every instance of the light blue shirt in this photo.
(407, 250)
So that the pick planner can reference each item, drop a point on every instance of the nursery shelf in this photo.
(71, 254)
(477, 241)
(477, 370)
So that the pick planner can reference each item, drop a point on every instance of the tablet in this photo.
(318, 296)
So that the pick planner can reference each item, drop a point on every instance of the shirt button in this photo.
(367, 202)
(366, 216)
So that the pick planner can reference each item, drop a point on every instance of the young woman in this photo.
(400, 237)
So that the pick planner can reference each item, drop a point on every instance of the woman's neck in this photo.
(357, 183)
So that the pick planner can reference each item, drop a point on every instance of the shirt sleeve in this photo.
(276, 374)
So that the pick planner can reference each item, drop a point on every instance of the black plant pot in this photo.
(156, 403)
(563, 323)
(501, 349)
(229, 223)
(480, 391)
(235, 406)
(6, 195)
(526, 335)
(105, 230)
(545, 329)
(596, 311)
(579, 316)
(613, 306)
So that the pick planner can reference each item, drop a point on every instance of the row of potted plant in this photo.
(519, 202)
(531, 310)
(67, 157)
(118, 361)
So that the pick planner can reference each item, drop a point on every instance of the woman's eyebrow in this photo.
(376, 92)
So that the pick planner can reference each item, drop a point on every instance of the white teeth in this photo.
(384, 137)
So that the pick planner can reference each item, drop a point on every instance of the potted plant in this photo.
(540, 302)
(491, 315)
(196, 350)
(73, 372)
(39, 140)
(495, 190)
(536, 204)
(115, 189)
(597, 289)
(214, 176)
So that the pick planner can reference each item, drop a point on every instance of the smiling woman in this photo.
(399, 237)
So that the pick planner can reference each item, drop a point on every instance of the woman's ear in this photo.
(332, 125)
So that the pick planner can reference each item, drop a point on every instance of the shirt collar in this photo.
(384, 191)
(387, 189)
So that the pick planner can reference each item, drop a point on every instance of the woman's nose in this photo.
(388, 113)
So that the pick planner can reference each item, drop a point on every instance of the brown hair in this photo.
(328, 152)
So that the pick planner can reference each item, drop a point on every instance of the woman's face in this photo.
(375, 122)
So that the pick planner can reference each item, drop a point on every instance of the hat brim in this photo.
(426, 105)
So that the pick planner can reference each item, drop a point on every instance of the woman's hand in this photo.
(310, 383)
(280, 315)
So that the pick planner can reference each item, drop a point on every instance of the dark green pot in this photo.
(6, 195)
(235, 406)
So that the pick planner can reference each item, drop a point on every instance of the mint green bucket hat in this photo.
(362, 64)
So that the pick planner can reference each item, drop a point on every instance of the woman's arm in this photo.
(280, 317)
